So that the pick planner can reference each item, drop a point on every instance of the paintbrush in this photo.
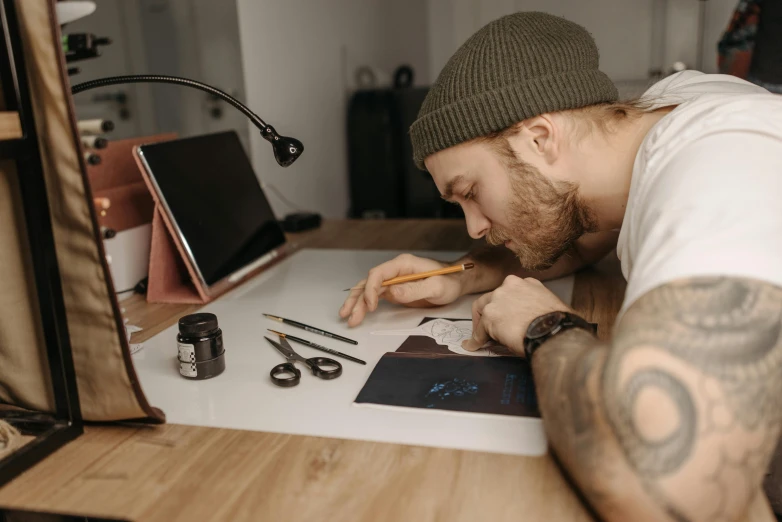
(311, 329)
(305, 342)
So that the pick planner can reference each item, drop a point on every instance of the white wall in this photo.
(118, 20)
(633, 36)
(298, 57)
(195, 39)
(682, 35)
(621, 28)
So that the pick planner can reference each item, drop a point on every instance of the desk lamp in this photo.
(286, 149)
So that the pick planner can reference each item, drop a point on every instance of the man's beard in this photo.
(544, 219)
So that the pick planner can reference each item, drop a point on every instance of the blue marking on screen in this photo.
(455, 387)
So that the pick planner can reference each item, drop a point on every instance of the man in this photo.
(675, 417)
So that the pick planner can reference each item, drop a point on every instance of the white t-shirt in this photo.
(706, 192)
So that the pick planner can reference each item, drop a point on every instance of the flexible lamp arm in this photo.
(286, 149)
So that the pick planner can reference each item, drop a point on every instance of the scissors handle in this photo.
(284, 369)
(324, 373)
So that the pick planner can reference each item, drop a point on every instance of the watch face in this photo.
(544, 324)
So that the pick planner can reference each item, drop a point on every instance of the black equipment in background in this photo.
(81, 46)
(384, 181)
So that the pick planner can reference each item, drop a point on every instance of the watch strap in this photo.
(568, 321)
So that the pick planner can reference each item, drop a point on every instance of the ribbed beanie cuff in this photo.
(541, 64)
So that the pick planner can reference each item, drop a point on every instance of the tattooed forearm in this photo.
(681, 411)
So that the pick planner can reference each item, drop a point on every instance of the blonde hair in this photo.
(602, 116)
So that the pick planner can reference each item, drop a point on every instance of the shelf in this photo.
(10, 127)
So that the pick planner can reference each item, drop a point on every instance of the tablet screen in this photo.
(216, 201)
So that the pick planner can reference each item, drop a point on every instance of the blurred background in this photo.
(346, 77)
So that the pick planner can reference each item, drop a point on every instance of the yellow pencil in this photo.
(421, 275)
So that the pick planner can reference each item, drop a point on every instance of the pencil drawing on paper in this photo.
(444, 332)
(448, 332)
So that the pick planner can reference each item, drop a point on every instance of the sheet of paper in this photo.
(444, 332)
(449, 333)
(130, 329)
(308, 287)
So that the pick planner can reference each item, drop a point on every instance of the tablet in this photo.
(214, 205)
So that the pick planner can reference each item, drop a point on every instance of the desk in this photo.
(182, 473)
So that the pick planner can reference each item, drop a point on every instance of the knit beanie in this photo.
(514, 68)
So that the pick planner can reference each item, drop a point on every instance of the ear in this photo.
(541, 136)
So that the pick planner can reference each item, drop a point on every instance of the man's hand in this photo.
(505, 314)
(432, 291)
(492, 264)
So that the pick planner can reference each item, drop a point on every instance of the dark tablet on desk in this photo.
(214, 203)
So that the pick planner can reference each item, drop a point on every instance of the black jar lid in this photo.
(200, 324)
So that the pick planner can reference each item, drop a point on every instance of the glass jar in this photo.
(200, 347)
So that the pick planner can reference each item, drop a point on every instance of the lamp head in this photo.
(286, 149)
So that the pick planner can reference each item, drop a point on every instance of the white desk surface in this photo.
(308, 287)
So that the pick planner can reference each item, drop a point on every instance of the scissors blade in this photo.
(286, 351)
(284, 342)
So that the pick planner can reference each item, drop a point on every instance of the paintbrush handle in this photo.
(336, 353)
(324, 349)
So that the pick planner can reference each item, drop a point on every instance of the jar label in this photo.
(187, 362)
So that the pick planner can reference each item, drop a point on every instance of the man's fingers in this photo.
(358, 313)
(354, 296)
(479, 337)
(478, 305)
(401, 265)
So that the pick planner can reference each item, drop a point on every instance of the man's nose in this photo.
(477, 224)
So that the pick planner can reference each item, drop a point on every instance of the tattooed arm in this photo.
(677, 416)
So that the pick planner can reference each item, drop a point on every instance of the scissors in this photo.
(315, 364)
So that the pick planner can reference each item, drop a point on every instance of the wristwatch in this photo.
(548, 325)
